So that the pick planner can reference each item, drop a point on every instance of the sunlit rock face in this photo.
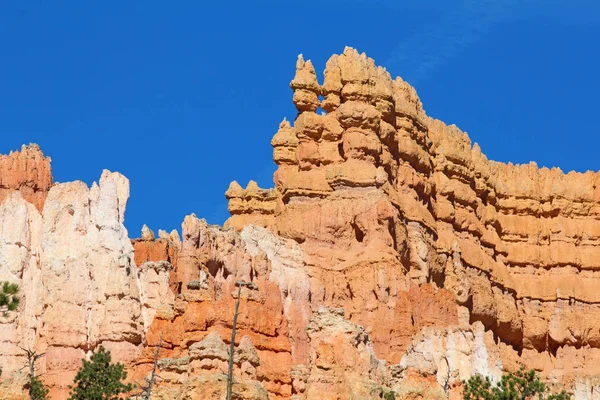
(28, 172)
(390, 256)
(79, 285)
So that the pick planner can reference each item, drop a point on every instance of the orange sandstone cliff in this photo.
(390, 256)
(28, 172)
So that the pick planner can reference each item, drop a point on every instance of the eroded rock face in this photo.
(79, 285)
(384, 199)
(27, 171)
(390, 256)
(342, 361)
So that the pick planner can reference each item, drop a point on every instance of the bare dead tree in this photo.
(37, 390)
(32, 357)
(448, 376)
(239, 284)
(148, 390)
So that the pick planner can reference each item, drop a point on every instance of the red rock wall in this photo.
(27, 171)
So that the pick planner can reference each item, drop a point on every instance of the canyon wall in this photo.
(391, 256)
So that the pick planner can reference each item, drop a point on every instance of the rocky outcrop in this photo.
(201, 374)
(342, 361)
(383, 198)
(390, 257)
(28, 172)
(79, 285)
(210, 262)
(249, 206)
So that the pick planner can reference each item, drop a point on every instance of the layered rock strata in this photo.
(390, 257)
(27, 171)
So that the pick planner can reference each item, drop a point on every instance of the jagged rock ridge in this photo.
(391, 255)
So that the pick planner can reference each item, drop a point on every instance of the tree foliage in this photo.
(37, 390)
(99, 379)
(389, 396)
(9, 301)
(521, 385)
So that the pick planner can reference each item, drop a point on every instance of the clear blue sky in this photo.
(184, 97)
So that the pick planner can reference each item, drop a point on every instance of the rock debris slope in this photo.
(390, 256)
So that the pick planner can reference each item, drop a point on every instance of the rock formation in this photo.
(28, 172)
(391, 256)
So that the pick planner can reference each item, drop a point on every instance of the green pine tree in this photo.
(389, 396)
(9, 301)
(98, 379)
(521, 385)
(37, 390)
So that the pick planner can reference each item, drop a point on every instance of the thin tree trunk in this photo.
(153, 376)
(232, 346)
